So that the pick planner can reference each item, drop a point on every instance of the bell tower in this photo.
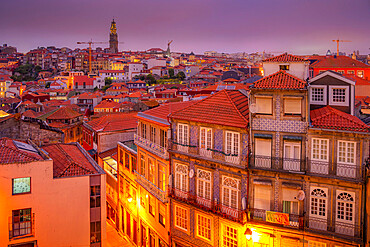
(113, 38)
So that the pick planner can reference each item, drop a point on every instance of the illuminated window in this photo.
(181, 218)
(95, 232)
(151, 173)
(162, 214)
(21, 222)
(161, 178)
(320, 149)
(142, 166)
(316, 244)
(284, 67)
(360, 73)
(21, 185)
(203, 226)
(346, 152)
(94, 196)
(152, 205)
(230, 236)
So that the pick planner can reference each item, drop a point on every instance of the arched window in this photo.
(319, 201)
(345, 207)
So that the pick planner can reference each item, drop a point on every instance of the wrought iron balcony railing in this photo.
(209, 205)
(277, 163)
(278, 218)
(152, 188)
(151, 146)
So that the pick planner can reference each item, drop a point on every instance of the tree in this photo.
(181, 75)
(150, 79)
(108, 81)
(171, 72)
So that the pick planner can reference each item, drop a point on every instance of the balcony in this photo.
(337, 229)
(277, 218)
(209, 154)
(338, 170)
(151, 188)
(277, 164)
(224, 211)
(23, 229)
(151, 146)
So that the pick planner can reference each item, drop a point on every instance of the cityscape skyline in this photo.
(200, 26)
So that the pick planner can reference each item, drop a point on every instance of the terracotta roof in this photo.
(164, 110)
(358, 80)
(64, 113)
(107, 104)
(114, 122)
(285, 57)
(69, 160)
(231, 80)
(30, 114)
(10, 153)
(280, 80)
(330, 118)
(227, 107)
(339, 62)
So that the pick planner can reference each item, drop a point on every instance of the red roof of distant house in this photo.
(69, 160)
(358, 80)
(83, 78)
(107, 104)
(330, 118)
(10, 153)
(30, 114)
(111, 71)
(88, 95)
(231, 80)
(227, 107)
(285, 57)
(280, 80)
(114, 122)
(164, 110)
(64, 113)
(339, 62)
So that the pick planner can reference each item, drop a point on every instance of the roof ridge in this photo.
(74, 163)
(232, 102)
(347, 116)
(18, 151)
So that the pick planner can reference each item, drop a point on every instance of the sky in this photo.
(295, 26)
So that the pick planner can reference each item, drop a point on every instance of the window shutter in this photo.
(292, 106)
(264, 105)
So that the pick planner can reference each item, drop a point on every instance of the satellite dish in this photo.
(191, 173)
(301, 195)
(253, 108)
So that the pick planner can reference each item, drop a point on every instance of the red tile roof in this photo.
(69, 160)
(358, 80)
(163, 111)
(280, 80)
(330, 118)
(285, 57)
(64, 113)
(107, 104)
(114, 122)
(339, 62)
(10, 153)
(227, 107)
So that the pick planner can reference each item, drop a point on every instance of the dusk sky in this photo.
(296, 26)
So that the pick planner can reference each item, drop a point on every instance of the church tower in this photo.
(113, 38)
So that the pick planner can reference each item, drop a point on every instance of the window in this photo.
(22, 222)
(262, 197)
(346, 152)
(341, 72)
(203, 226)
(351, 72)
(152, 206)
(205, 138)
(318, 94)
(163, 138)
(345, 207)
(152, 134)
(320, 149)
(284, 67)
(319, 201)
(230, 190)
(95, 232)
(133, 164)
(230, 236)
(151, 173)
(262, 153)
(143, 196)
(290, 203)
(143, 130)
(316, 244)
(94, 196)
(232, 143)
(204, 184)
(162, 214)
(127, 161)
(360, 73)
(292, 106)
(142, 166)
(264, 105)
(161, 177)
(338, 95)
(181, 218)
(21, 185)
(183, 134)
(181, 177)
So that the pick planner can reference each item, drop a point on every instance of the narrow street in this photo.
(114, 239)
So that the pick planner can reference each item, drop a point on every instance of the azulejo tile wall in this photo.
(194, 135)
(279, 125)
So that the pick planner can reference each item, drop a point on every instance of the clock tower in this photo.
(113, 38)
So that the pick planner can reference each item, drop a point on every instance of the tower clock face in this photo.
(21, 185)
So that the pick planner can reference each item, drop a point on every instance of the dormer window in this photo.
(284, 67)
(318, 95)
(339, 95)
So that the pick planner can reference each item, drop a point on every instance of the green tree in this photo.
(108, 81)
(181, 75)
(171, 73)
(150, 79)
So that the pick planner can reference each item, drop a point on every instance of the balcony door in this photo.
(262, 201)
(292, 156)
(263, 153)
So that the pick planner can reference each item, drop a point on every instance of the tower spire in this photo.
(113, 38)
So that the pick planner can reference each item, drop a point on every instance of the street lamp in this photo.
(248, 233)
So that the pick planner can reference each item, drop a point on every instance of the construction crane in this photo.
(91, 43)
(338, 40)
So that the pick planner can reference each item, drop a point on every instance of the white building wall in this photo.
(297, 69)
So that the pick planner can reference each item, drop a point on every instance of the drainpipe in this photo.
(170, 173)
